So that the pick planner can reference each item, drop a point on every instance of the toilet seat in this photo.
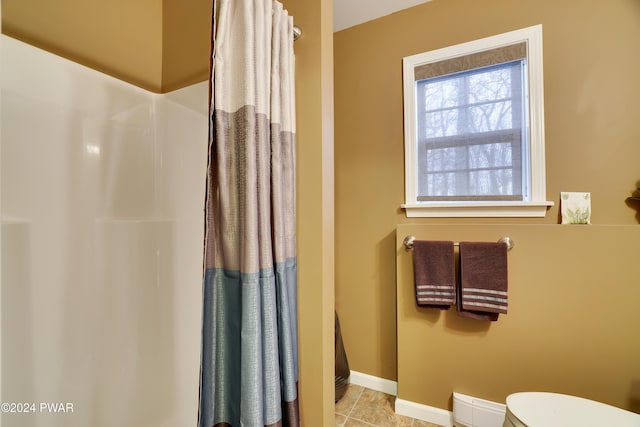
(540, 409)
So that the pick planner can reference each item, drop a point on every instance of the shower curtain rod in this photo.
(297, 32)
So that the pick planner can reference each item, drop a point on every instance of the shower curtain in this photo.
(249, 366)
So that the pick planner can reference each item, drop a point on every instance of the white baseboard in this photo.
(374, 383)
(424, 412)
(403, 407)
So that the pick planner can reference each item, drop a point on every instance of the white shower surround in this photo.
(102, 192)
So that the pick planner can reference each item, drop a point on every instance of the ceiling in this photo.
(347, 13)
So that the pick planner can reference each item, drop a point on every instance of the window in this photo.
(474, 131)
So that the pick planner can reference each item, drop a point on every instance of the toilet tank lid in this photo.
(554, 409)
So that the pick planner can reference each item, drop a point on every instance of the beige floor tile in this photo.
(374, 408)
(340, 420)
(345, 405)
(356, 423)
(402, 421)
(420, 423)
(362, 407)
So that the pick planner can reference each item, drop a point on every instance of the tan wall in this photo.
(314, 106)
(160, 45)
(121, 38)
(148, 44)
(592, 137)
(572, 325)
(185, 42)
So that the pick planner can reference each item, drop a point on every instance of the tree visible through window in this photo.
(470, 134)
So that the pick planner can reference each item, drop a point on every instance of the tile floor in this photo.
(362, 407)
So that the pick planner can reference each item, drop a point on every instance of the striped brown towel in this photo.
(434, 274)
(483, 280)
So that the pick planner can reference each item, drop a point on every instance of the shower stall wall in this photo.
(101, 202)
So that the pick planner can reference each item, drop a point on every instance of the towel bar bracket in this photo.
(507, 241)
(409, 240)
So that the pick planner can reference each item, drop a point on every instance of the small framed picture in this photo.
(575, 207)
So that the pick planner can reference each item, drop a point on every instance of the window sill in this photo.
(477, 209)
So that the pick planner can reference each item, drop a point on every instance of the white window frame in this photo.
(537, 206)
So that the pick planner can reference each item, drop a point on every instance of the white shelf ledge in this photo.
(477, 209)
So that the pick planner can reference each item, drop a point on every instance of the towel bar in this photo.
(408, 242)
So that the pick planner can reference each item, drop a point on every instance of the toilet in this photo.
(539, 409)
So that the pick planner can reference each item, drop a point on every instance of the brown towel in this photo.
(483, 280)
(434, 274)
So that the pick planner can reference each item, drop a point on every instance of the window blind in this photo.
(472, 61)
